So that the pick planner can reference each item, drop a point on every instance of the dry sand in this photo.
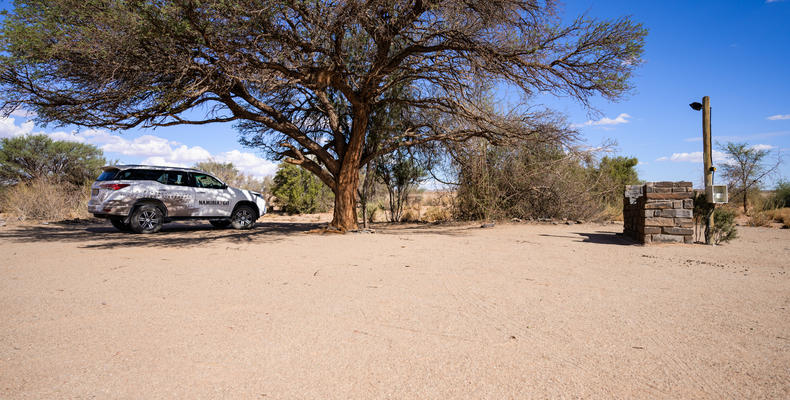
(412, 312)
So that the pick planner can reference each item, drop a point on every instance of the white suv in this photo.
(141, 198)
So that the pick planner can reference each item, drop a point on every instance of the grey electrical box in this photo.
(717, 194)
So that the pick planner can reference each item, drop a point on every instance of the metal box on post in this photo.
(717, 194)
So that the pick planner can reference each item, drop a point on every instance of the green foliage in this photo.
(299, 191)
(616, 172)
(25, 158)
(723, 226)
(781, 196)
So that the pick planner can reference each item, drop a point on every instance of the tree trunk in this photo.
(345, 214)
(347, 181)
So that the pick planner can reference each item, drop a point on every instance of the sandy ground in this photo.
(412, 312)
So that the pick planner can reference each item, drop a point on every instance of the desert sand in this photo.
(516, 311)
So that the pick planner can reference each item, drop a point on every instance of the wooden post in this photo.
(707, 160)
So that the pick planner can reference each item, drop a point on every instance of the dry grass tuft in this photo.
(46, 199)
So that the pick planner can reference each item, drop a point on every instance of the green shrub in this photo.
(300, 192)
(780, 198)
(724, 226)
(723, 221)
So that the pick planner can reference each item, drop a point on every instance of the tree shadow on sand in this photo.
(189, 234)
(600, 237)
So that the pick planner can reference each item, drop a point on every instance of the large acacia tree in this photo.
(302, 78)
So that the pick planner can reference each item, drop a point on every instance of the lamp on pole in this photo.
(707, 157)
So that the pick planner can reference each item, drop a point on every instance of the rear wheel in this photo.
(243, 217)
(120, 225)
(147, 218)
(220, 223)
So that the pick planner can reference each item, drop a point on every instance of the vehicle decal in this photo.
(213, 203)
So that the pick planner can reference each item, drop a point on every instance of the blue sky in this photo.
(737, 52)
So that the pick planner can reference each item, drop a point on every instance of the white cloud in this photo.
(763, 147)
(778, 117)
(248, 162)
(9, 128)
(154, 150)
(695, 157)
(146, 145)
(605, 121)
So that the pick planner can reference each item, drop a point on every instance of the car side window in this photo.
(207, 181)
(142, 175)
(177, 178)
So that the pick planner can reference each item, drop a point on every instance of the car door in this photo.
(211, 195)
(177, 194)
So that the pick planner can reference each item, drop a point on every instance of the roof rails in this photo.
(127, 166)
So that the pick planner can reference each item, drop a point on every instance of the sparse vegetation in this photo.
(46, 179)
(400, 174)
(537, 181)
(745, 169)
(45, 199)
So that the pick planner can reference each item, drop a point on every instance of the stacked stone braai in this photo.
(659, 212)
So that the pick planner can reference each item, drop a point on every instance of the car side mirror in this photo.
(224, 187)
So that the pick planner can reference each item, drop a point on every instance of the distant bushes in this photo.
(537, 181)
(46, 179)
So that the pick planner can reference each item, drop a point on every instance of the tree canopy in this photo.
(25, 158)
(301, 78)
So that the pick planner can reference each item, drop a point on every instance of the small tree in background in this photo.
(745, 169)
(33, 157)
(615, 173)
(400, 174)
(299, 191)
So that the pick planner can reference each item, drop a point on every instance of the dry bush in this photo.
(410, 215)
(760, 218)
(610, 213)
(437, 214)
(529, 181)
(780, 215)
(46, 199)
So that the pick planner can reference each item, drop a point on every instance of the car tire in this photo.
(243, 217)
(147, 218)
(220, 223)
(120, 225)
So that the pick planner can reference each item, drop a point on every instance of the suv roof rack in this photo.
(127, 166)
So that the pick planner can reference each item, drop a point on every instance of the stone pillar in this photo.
(659, 212)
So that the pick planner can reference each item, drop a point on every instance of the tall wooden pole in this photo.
(707, 159)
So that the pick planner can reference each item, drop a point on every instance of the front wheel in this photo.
(243, 217)
(120, 225)
(147, 218)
